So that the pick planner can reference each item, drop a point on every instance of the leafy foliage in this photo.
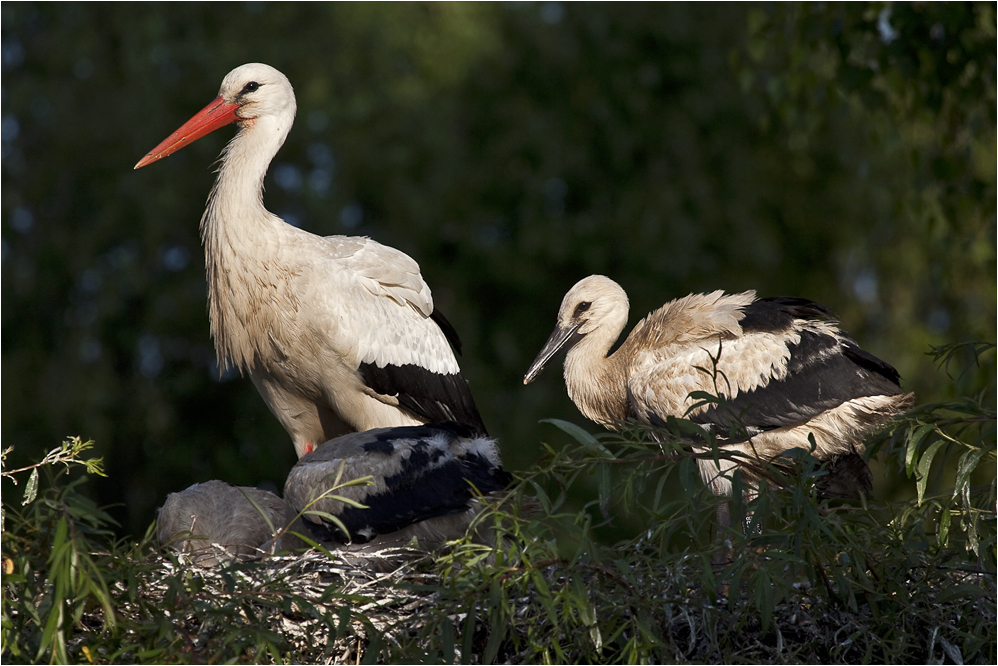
(47, 558)
(933, 434)
(805, 581)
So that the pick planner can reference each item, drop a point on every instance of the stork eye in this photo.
(580, 308)
(252, 86)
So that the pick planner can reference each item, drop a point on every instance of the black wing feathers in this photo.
(448, 330)
(779, 312)
(430, 483)
(872, 364)
(823, 372)
(429, 395)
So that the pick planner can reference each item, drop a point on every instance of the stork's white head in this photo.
(250, 94)
(595, 305)
(258, 90)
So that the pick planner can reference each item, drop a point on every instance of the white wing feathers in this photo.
(393, 329)
(661, 383)
(385, 271)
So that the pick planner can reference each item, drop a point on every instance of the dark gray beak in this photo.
(561, 338)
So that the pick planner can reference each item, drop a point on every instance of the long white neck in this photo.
(239, 234)
(597, 383)
(237, 196)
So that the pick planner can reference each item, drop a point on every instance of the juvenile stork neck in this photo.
(597, 383)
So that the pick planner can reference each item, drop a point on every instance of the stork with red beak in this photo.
(337, 333)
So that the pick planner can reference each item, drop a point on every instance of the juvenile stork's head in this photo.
(595, 309)
(249, 94)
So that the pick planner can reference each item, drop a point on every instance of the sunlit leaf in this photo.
(31, 488)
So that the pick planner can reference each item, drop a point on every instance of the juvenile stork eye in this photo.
(252, 86)
(580, 308)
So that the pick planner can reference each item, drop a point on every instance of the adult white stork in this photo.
(424, 484)
(337, 333)
(782, 366)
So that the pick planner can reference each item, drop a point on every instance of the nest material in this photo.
(333, 608)
(323, 608)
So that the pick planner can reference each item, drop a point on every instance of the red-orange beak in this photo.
(217, 114)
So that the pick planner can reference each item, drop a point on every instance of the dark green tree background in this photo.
(844, 153)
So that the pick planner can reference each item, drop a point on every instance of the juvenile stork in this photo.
(217, 515)
(424, 481)
(337, 333)
(782, 366)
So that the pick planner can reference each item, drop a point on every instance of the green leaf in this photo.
(913, 446)
(580, 435)
(688, 470)
(447, 640)
(468, 635)
(31, 488)
(605, 495)
(497, 625)
(328, 517)
(924, 464)
(968, 463)
(962, 591)
(764, 598)
(659, 488)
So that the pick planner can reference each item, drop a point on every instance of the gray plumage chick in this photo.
(215, 520)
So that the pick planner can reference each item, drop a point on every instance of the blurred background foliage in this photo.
(841, 152)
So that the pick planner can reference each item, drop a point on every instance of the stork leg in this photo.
(723, 517)
(309, 423)
(723, 514)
